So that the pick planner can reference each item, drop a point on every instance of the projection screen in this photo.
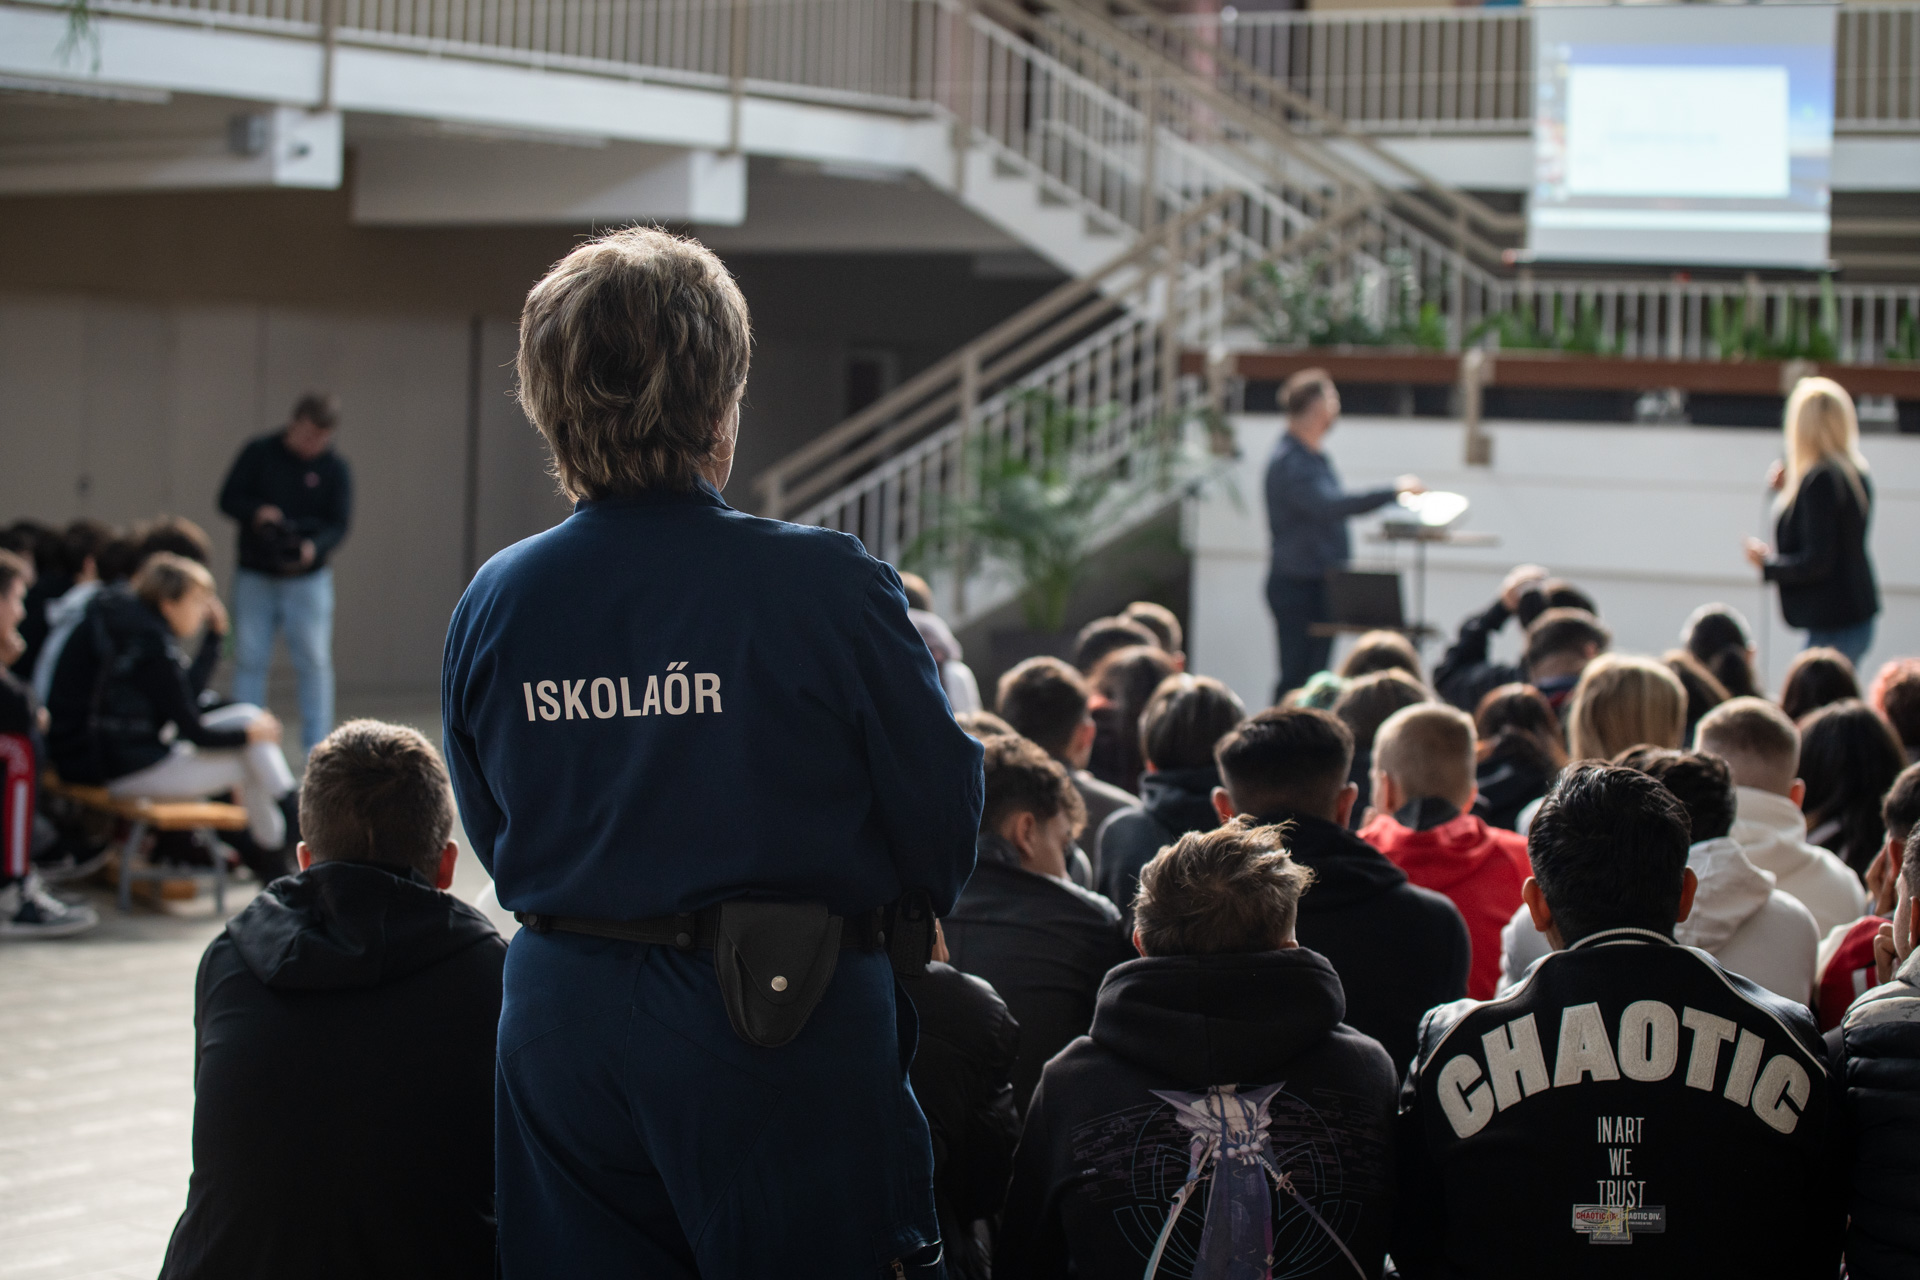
(1696, 135)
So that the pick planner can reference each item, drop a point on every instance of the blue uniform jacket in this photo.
(663, 703)
(1307, 512)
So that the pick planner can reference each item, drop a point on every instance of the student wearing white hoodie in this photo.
(1762, 747)
(1738, 916)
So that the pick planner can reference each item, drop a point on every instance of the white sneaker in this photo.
(27, 910)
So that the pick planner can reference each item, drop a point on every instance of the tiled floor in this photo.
(96, 1079)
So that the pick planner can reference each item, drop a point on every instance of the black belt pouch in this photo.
(774, 960)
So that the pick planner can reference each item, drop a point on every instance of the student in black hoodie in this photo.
(126, 715)
(1399, 949)
(962, 1075)
(344, 1044)
(1225, 1024)
(1184, 718)
(1042, 941)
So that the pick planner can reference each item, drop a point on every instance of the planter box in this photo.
(1558, 371)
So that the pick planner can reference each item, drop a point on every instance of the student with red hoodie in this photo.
(1844, 968)
(1423, 788)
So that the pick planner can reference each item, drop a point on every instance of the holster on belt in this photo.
(774, 960)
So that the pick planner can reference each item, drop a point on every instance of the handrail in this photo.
(1259, 81)
(777, 489)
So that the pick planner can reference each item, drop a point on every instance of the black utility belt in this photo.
(774, 959)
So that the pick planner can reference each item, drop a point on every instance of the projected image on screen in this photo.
(1696, 136)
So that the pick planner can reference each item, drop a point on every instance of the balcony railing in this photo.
(1471, 70)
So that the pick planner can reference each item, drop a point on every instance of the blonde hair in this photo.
(165, 577)
(1428, 751)
(1820, 424)
(1623, 701)
(633, 351)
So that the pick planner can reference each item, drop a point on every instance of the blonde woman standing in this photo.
(1820, 559)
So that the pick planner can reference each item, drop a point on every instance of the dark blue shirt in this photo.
(663, 703)
(1307, 512)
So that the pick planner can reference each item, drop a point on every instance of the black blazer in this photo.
(1826, 580)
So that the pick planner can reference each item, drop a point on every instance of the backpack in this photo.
(1229, 1136)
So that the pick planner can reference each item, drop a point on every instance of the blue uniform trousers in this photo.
(637, 1135)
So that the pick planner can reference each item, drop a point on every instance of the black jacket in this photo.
(1399, 949)
(1875, 1053)
(962, 1076)
(1104, 1152)
(343, 1078)
(120, 681)
(1514, 774)
(316, 497)
(1044, 944)
(1820, 558)
(1172, 803)
(1536, 1128)
(19, 775)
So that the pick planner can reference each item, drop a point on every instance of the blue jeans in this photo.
(1854, 641)
(303, 608)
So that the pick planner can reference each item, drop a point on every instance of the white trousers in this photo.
(188, 772)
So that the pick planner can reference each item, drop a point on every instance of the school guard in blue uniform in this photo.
(708, 762)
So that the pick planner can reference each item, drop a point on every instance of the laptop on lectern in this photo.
(1365, 599)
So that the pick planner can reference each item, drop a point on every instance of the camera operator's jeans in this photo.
(303, 607)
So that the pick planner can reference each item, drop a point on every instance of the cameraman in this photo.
(292, 496)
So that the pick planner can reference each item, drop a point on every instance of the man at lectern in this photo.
(1307, 512)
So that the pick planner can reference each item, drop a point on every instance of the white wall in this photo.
(121, 410)
(1648, 519)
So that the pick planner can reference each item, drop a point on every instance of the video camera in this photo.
(283, 544)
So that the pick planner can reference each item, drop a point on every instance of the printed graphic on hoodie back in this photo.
(1133, 1163)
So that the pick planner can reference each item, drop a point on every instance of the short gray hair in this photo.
(633, 349)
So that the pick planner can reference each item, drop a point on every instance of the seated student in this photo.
(1047, 702)
(956, 677)
(1423, 795)
(80, 548)
(1848, 759)
(1624, 701)
(962, 1074)
(1466, 673)
(1738, 917)
(1762, 748)
(1382, 651)
(1224, 1023)
(1178, 730)
(1896, 695)
(1703, 688)
(1399, 949)
(1875, 1052)
(1816, 678)
(1364, 706)
(121, 683)
(1103, 636)
(1521, 752)
(344, 1033)
(1164, 624)
(1844, 966)
(27, 909)
(1630, 1093)
(1123, 683)
(1041, 940)
(1717, 635)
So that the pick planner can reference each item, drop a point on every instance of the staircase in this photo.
(1162, 171)
(1160, 190)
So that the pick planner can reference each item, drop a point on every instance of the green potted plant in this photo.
(1039, 508)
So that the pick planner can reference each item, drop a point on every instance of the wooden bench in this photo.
(143, 816)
